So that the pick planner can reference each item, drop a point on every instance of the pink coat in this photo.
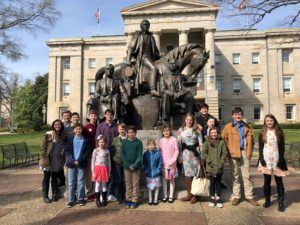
(169, 151)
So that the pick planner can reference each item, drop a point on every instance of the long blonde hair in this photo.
(195, 124)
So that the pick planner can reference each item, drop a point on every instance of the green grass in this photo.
(291, 135)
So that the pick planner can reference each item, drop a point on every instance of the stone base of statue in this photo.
(145, 112)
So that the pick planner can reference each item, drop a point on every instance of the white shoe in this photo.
(211, 203)
(111, 198)
(219, 204)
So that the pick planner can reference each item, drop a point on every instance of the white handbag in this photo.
(200, 185)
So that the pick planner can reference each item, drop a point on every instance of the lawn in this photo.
(291, 135)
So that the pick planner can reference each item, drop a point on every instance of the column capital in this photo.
(183, 31)
(209, 30)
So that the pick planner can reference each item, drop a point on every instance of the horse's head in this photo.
(197, 62)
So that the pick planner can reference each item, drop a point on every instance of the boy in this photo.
(239, 138)
(116, 155)
(77, 149)
(131, 154)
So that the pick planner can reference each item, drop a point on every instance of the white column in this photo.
(156, 36)
(210, 66)
(183, 37)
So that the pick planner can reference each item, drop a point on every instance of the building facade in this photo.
(256, 70)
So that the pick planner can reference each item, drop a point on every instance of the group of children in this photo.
(159, 162)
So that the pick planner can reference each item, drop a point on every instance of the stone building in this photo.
(256, 70)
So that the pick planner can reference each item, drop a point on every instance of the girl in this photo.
(101, 167)
(169, 149)
(152, 162)
(190, 143)
(214, 154)
(271, 159)
(53, 158)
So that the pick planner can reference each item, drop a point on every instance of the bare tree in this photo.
(8, 92)
(30, 16)
(255, 11)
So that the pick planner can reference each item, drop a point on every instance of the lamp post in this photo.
(44, 111)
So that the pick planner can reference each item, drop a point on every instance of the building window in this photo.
(255, 58)
(218, 59)
(219, 86)
(236, 58)
(66, 88)
(221, 113)
(170, 47)
(92, 63)
(257, 112)
(236, 86)
(91, 88)
(108, 61)
(286, 55)
(289, 112)
(287, 84)
(256, 85)
(66, 63)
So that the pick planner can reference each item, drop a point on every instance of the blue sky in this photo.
(78, 20)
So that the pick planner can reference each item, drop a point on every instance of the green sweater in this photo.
(131, 154)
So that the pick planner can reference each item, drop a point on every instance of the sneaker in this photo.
(212, 203)
(81, 202)
(127, 204)
(134, 205)
(112, 198)
(70, 204)
(219, 203)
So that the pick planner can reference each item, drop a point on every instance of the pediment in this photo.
(170, 6)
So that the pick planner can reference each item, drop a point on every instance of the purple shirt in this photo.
(108, 131)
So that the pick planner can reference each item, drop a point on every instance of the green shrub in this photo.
(4, 129)
(283, 125)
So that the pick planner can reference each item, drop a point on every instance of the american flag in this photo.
(97, 15)
(243, 5)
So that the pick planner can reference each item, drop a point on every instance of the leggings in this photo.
(267, 185)
(215, 185)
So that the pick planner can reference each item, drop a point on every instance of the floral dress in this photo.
(271, 156)
(186, 136)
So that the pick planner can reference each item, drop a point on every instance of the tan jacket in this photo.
(231, 137)
(46, 149)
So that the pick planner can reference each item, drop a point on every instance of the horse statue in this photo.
(192, 56)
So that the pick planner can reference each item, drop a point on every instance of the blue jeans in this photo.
(120, 182)
(76, 176)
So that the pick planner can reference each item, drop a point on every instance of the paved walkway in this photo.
(21, 203)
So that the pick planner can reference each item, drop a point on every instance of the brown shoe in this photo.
(235, 201)
(193, 199)
(252, 202)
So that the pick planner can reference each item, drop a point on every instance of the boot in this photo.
(193, 199)
(45, 190)
(267, 202)
(281, 207)
(98, 203)
(188, 184)
(55, 196)
(104, 198)
(54, 190)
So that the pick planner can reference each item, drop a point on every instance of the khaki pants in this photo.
(132, 179)
(240, 169)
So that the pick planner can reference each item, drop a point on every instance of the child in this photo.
(271, 159)
(101, 167)
(152, 162)
(211, 122)
(116, 155)
(169, 148)
(131, 154)
(77, 150)
(214, 154)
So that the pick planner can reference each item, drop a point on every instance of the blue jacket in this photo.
(70, 153)
(153, 163)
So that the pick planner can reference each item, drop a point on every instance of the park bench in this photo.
(18, 154)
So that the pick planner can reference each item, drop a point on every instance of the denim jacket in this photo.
(153, 163)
